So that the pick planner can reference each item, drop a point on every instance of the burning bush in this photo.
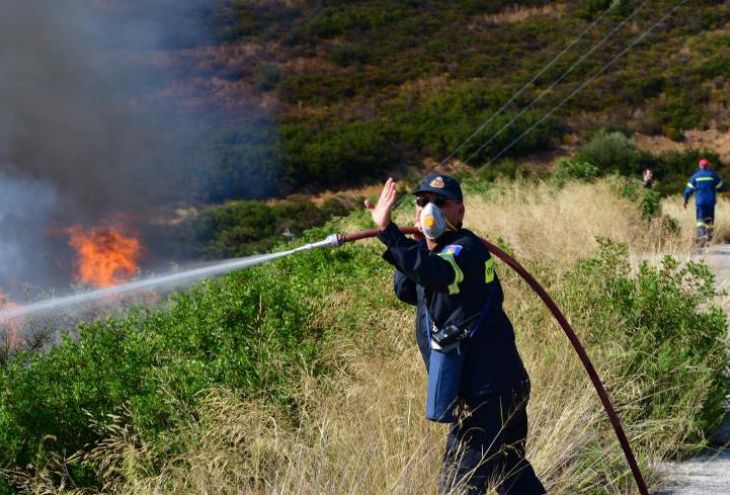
(106, 255)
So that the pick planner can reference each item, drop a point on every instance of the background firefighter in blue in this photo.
(704, 184)
(480, 385)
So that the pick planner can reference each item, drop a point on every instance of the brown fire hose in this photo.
(575, 342)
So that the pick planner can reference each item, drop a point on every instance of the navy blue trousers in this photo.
(705, 220)
(488, 446)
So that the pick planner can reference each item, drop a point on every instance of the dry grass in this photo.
(520, 14)
(542, 222)
(362, 430)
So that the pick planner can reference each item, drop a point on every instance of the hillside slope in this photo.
(361, 87)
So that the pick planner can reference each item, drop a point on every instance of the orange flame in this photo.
(106, 256)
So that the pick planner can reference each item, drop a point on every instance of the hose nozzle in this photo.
(332, 241)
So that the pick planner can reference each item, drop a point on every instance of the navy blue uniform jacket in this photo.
(454, 281)
(704, 183)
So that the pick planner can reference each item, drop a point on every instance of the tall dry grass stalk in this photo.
(362, 430)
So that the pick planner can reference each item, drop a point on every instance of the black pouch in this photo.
(448, 337)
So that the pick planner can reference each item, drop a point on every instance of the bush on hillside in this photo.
(573, 169)
(681, 110)
(240, 228)
(511, 169)
(339, 155)
(611, 151)
(651, 204)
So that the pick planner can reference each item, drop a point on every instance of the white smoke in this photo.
(101, 111)
(25, 207)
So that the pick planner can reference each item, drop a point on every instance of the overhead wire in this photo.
(517, 94)
(557, 81)
(595, 75)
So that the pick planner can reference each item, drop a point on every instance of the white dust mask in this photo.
(433, 222)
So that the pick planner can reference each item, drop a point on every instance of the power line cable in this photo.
(636, 41)
(516, 95)
(542, 71)
(557, 81)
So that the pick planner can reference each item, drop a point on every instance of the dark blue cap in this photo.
(442, 185)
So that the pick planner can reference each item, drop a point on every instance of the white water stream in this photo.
(158, 282)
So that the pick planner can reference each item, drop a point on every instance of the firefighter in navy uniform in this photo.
(477, 380)
(704, 184)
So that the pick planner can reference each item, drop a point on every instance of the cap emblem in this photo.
(438, 183)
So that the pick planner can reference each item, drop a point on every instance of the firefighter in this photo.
(476, 379)
(704, 183)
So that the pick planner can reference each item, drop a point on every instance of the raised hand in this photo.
(381, 211)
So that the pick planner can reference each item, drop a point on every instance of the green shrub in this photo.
(592, 8)
(651, 204)
(681, 109)
(611, 151)
(338, 20)
(446, 120)
(239, 228)
(340, 155)
(573, 169)
(663, 331)
(505, 168)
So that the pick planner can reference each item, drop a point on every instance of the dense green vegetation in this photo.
(657, 319)
(241, 227)
(607, 152)
(381, 82)
(250, 332)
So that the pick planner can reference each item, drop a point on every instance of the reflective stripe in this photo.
(458, 274)
(719, 185)
(489, 270)
(690, 185)
(704, 179)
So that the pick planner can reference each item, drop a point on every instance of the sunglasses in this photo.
(424, 200)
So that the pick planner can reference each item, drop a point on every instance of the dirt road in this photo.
(709, 473)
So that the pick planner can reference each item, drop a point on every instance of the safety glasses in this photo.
(424, 200)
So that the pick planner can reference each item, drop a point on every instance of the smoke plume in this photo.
(105, 107)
